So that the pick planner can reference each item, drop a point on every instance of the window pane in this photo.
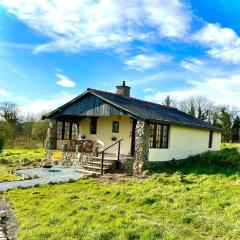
(66, 130)
(93, 126)
(115, 127)
(158, 136)
(151, 129)
(59, 130)
(74, 131)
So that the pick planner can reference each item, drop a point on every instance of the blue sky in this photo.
(51, 51)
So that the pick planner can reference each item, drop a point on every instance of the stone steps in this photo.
(98, 163)
(94, 164)
(94, 168)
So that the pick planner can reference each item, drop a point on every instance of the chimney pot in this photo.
(123, 90)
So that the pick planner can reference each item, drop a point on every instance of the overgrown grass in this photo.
(230, 145)
(16, 156)
(6, 174)
(22, 144)
(203, 206)
(11, 159)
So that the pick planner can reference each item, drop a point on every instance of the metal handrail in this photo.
(103, 151)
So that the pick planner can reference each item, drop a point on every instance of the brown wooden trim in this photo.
(133, 139)
(210, 139)
(154, 140)
(63, 130)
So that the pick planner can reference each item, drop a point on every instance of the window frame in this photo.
(160, 136)
(93, 126)
(62, 130)
(113, 127)
(59, 130)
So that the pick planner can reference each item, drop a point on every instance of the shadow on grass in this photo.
(226, 162)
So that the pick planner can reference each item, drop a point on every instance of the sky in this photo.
(53, 50)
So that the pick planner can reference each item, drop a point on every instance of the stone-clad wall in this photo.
(51, 139)
(141, 147)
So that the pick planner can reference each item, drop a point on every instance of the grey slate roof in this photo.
(149, 111)
(152, 111)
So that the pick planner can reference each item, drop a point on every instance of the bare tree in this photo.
(9, 112)
(197, 106)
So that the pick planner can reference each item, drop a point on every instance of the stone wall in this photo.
(51, 138)
(141, 147)
(126, 164)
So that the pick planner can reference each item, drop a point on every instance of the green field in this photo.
(203, 206)
(11, 159)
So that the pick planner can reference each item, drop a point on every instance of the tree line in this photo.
(16, 128)
(28, 130)
(219, 115)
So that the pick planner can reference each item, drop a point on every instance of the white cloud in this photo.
(221, 90)
(4, 93)
(172, 18)
(148, 90)
(217, 39)
(64, 81)
(142, 62)
(191, 64)
(101, 24)
(41, 105)
(17, 45)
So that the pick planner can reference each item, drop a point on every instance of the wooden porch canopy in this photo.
(86, 105)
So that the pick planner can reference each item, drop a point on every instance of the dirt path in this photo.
(8, 225)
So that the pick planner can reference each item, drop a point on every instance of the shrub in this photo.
(1, 143)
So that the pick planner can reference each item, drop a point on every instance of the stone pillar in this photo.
(141, 147)
(51, 139)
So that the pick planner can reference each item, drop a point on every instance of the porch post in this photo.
(78, 131)
(51, 139)
(142, 146)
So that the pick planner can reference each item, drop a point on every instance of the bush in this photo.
(228, 158)
(1, 143)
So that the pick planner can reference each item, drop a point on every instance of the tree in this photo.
(9, 112)
(28, 126)
(167, 101)
(236, 130)
(203, 106)
(225, 121)
(39, 130)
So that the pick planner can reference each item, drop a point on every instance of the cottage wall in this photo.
(104, 133)
(184, 142)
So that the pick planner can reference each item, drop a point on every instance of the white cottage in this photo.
(138, 130)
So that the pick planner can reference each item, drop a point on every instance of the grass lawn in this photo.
(204, 206)
(11, 159)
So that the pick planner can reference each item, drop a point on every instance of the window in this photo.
(93, 125)
(74, 131)
(67, 130)
(115, 127)
(158, 136)
(59, 130)
(210, 139)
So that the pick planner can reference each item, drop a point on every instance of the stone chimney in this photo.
(123, 90)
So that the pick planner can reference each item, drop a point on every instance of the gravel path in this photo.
(55, 175)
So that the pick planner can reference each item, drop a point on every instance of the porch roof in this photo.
(141, 109)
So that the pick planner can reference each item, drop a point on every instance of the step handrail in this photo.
(103, 151)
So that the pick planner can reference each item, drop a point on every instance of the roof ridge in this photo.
(140, 100)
